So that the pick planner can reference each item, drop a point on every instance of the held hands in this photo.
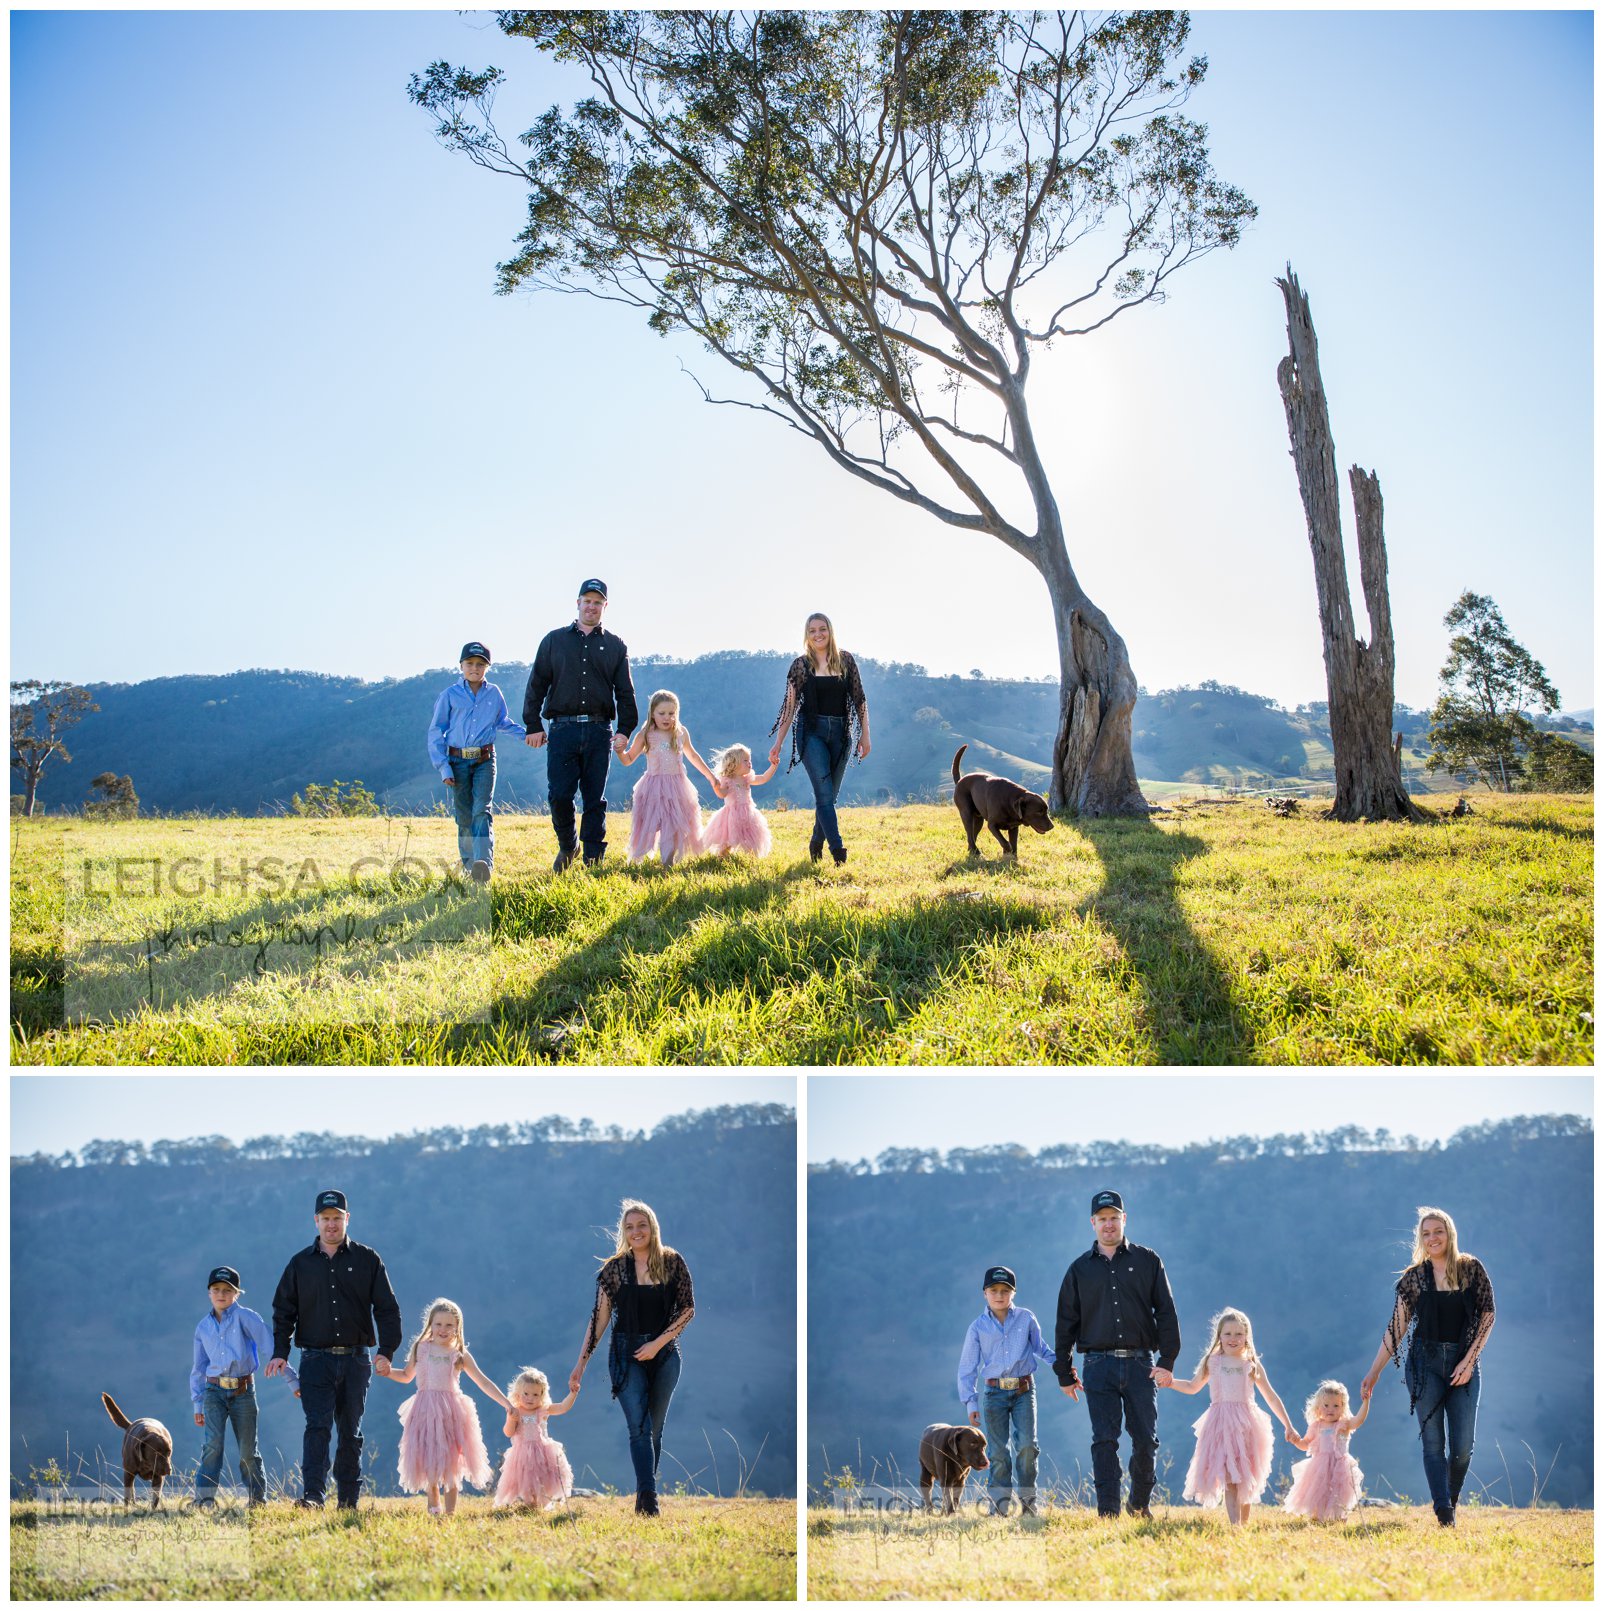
(1163, 1377)
(382, 1365)
(774, 756)
(620, 743)
(534, 740)
(574, 1377)
(1367, 1387)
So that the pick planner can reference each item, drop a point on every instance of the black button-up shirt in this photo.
(584, 674)
(1122, 1302)
(333, 1302)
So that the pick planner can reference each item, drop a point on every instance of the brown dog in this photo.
(947, 1454)
(998, 803)
(147, 1452)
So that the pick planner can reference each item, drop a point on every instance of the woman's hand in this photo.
(649, 1350)
(774, 756)
(574, 1377)
(863, 748)
(1367, 1386)
(1463, 1372)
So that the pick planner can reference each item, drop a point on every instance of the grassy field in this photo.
(1215, 933)
(700, 1549)
(1185, 1555)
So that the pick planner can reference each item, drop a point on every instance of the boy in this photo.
(462, 749)
(230, 1343)
(1001, 1350)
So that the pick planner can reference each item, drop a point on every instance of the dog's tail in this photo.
(115, 1413)
(956, 759)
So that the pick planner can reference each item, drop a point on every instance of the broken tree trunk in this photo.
(1358, 675)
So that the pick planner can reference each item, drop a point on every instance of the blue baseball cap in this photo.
(472, 650)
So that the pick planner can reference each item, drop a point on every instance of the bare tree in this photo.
(40, 713)
(874, 217)
(1359, 675)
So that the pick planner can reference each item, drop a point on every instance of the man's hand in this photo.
(1074, 1392)
(620, 743)
(273, 1366)
(200, 1420)
(1163, 1377)
(382, 1365)
(534, 740)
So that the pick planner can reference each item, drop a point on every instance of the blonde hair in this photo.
(676, 732)
(529, 1376)
(439, 1306)
(832, 653)
(656, 1263)
(1218, 1324)
(1336, 1389)
(1454, 1265)
(738, 753)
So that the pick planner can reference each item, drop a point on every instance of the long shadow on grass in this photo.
(1190, 1013)
(1558, 830)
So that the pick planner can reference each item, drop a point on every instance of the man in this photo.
(331, 1296)
(580, 674)
(1115, 1303)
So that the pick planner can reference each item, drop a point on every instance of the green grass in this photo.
(1397, 1554)
(700, 1549)
(1216, 933)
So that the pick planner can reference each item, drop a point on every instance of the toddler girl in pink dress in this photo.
(535, 1471)
(738, 824)
(1327, 1485)
(441, 1444)
(1234, 1440)
(665, 810)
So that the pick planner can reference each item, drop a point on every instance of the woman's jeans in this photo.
(470, 804)
(226, 1407)
(1438, 1407)
(647, 1387)
(824, 759)
(1009, 1417)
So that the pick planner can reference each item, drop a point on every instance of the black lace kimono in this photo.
(616, 1291)
(1412, 1288)
(800, 699)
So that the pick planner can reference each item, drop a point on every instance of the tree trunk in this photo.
(30, 789)
(1359, 676)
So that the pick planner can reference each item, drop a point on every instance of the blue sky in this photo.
(60, 1112)
(267, 412)
(860, 1115)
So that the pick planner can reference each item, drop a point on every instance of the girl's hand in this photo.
(719, 789)
(774, 756)
(648, 1350)
(1367, 1386)
(574, 1378)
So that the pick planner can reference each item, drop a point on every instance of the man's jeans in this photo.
(824, 759)
(1005, 1411)
(1116, 1387)
(470, 804)
(1437, 1405)
(644, 1396)
(577, 757)
(224, 1408)
(334, 1392)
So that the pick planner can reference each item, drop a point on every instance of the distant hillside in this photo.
(248, 741)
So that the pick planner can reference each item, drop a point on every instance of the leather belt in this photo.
(476, 752)
(306, 1350)
(1117, 1353)
(232, 1383)
(555, 719)
(1015, 1384)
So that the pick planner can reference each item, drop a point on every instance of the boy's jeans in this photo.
(1005, 1411)
(577, 757)
(644, 1400)
(824, 759)
(1116, 1387)
(470, 804)
(334, 1392)
(1436, 1403)
(224, 1408)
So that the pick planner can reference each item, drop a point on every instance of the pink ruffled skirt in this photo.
(1327, 1485)
(665, 812)
(1235, 1443)
(738, 825)
(441, 1442)
(535, 1472)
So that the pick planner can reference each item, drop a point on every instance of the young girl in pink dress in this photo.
(737, 824)
(536, 1470)
(441, 1444)
(1327, 1485)
(665, 811)
(1234, 1440)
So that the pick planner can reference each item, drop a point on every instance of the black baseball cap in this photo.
(999, 1275)
(592, 584)
(224, 1276)
(1107, 1199)
(330, 1199)
(470, 650)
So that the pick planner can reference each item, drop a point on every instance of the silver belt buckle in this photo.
(1010, 1383)
(472, 753)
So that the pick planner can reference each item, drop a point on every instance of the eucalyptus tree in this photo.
(880, 218)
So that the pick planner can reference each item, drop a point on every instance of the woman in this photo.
(824, 694)
(646, 1288)
(1444, 1310)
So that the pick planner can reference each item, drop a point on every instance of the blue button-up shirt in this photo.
(238, 1344)
(464, 720)
(1010, 1349)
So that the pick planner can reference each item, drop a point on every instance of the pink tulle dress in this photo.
(738, 824)
(666, 810)
(1329, 1483)
(440, 1437)
(1235, 1441)
(536, 1470)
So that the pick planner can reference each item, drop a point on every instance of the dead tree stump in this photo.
(1359, 676)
